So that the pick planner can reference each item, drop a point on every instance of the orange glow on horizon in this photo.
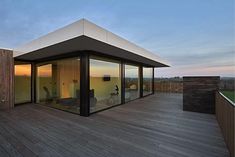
(45, 70)
(101, 71)
(196, 71)
(23, 70)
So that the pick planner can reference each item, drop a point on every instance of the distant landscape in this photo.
(175, 85)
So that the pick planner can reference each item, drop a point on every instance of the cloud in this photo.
(206, 58)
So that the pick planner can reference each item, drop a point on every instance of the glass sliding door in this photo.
(147, 80)
(44, 83)
(58, 84)
(105, 83)
(22, 82)
(132, 82)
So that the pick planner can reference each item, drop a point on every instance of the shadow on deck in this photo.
(152, 126)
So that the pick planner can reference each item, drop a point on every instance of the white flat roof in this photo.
(82, 28)
(4, 48)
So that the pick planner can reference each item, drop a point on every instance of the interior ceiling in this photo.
(84, 43)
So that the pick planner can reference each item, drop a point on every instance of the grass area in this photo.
(230, 95)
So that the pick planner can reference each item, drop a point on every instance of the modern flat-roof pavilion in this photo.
(83, 68)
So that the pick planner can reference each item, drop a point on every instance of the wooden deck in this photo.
(153, 126)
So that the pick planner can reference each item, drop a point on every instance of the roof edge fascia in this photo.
(84, 27)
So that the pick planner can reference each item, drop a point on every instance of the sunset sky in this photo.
(196, 36)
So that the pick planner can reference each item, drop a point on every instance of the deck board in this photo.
(152, 126)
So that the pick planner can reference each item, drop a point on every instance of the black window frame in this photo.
(85, 77)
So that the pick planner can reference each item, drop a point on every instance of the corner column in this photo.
(85, 85)
(33, 82)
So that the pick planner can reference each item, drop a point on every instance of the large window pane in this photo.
(105, 84)
(58, 84)
(22, 83)
(147, 80)
(132, 90)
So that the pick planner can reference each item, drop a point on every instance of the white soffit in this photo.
(89, 29)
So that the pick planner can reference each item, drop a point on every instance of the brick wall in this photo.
(199, 93)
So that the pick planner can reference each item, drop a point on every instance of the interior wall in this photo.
(69, 77)
(104, 88)
(62, 78)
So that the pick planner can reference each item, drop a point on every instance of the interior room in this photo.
(105, 83)
(58, 84)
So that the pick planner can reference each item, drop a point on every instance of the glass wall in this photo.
(105, 83)
(58, 84)
(22, 82)
(147, 81)
(132, 82)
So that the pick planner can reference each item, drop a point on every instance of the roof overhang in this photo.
(85, 36)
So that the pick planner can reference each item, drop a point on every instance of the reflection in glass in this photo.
(58, 84)
(147, 80)
(105, 84)
(132, 90)
(22, 83)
